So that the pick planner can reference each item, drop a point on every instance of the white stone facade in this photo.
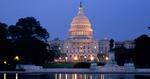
(128, 44)
(104, 46)
(81, 49)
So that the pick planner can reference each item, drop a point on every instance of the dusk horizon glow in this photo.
(119, 19)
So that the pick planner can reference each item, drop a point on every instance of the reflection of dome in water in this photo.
(80, 26)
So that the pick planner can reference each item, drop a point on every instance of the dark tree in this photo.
(14, 32)
(142, 51)
(120, 53)
(30, 40)
(149, 27)
(3, 31)
(111, 44)
(30, 27)
(6, 51)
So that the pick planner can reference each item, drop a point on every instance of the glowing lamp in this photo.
(66, 58)
(17, 58)
(5, 62)
(106, 58)
(75, 58)
(92, 58)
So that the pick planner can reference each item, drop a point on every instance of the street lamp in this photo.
(106, 58)
(66, 58)
(92, 58)
(75, 58)
(5, 62)
(16, 58)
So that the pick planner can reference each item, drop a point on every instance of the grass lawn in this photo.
(70, 65)
(59, 65)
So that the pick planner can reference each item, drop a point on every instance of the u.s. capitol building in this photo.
(80, 45)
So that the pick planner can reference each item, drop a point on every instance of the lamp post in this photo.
(17, 58)
(106, 58)
(5, 62)
(92, 58)
(66, 58)
(85, 58)
(75, 58)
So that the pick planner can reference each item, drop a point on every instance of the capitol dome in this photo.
(80, 26)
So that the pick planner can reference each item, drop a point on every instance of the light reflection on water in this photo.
(70, 76)
(16, 76)
(80, 76)
(4, 75)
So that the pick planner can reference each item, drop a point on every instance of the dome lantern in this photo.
(80, 26)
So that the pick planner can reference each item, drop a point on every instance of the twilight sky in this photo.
(117, 19)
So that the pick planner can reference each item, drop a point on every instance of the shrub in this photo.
(82, 65)
(100, 64)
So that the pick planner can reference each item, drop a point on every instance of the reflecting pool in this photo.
(72, 76)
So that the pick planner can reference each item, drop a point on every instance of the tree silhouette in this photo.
(30, 40)
(3, 31)
(30, 27)
(149, 27)
(142, 51)
(120, 55)
(6, 48)
(26, 39)
(111, 44)
(14, 32)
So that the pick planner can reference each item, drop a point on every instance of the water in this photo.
(73, 76)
